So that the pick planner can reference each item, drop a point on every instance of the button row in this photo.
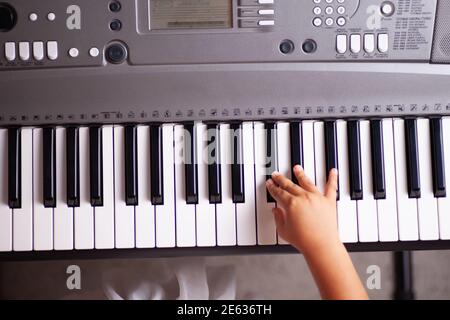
(328, 1)
(355, 43)
(25, 50)
(340, 21)
(261, 11)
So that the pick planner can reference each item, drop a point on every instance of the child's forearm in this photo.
(334, 274)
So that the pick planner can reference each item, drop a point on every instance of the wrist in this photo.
(328, 248)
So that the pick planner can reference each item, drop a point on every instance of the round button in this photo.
(317, 22)
(8, 17)
(287, 46)
(73, 52)
(115, 25)
(116, 53)
(341, 21)
(317, 10)
(329, 10)
(317, 1)
(329, 21)
(387, 8)
(51, 16)
(33, 17)
(94, 52)
(341, 10)
(115, 6)
(309, 46)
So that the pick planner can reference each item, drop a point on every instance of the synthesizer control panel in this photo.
(86, 33)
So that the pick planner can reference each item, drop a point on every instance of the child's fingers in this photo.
(277, 193)
(303, 179)
(286, 183)
(280, 218)
(332, 184)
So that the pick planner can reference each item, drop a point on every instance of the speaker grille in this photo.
(441, 42)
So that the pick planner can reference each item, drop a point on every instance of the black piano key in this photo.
(354, 157)
(271, 153)
(437, 153)
(49, 167)
(191, 164)
(412, 156)
(131, 167)
(14, 168)
(96, 165)
(296, 146)
(331, 149)
(214, 166)
(73, 167)
(237, 167)
(156, 165)
(378, 172)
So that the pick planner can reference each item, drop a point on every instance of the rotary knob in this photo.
(8, 17)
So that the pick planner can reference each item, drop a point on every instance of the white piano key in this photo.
(266, 228)
(387, 208)
(145, 211)
(284, 155)
(246, 212)
(23, 217)
(104, 216)
(319, 150)
(427, 203)
(84, 214)
(226, 211)
(124, 215)
(406, 207)
(165, 214)
(444, 203)
(5, 211)
(308, 150)
(185, 213)
(42, 217)
(206, 212)
(367, 207)
(63, 215)
(346, 207)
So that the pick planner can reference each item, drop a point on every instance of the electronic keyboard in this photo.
(149, 127)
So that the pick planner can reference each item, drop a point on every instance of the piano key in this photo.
(104, 215)
(84, 214)
(49, 166)
(42, 213)
(319, 150)
(437, 153)
(346, 207)
(296, 146)
(23, 216)
(387, 207)
(145, 211)
(354, 155)
(96, 166)
(191, 164)
(237, 164)
(73, 166)
(367, 206)
(165, 213)
(14, 168)
(214, 170)
(271, 156)
(5, 210)
(156, 165)
(406, 206)
(185, 213)
(284, 155)
(246, 211)
(331, 151)
(444, 203)
(206, 212)
(378, 172)
(131, 169)
(309, 165)
(124, 214)
(63, 214)
(266, 228)
(412, 154)
(427, 203)
(226, 209)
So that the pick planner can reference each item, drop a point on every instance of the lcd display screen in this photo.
(190, 14)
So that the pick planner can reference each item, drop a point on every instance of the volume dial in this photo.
(8, 17)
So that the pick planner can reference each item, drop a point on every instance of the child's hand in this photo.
(304, 216)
